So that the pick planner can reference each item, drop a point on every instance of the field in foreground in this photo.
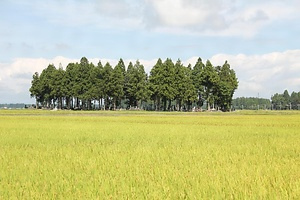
(138, 155)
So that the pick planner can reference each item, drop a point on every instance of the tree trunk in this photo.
(169, 106)
(189, 106)
(89, 104)
(115, 102)
(179, 105)
(58, 103)
(105, 103)
(36, 103)
(158, 104)
(72, 102)
(207, 104)
(164, 103)
(61, 102)
(137, 104)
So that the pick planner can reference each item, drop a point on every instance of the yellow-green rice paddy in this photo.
(149, 155)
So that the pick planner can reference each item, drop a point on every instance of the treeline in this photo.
(285, 101)
(170, 86)
(13, 105)
(251, 103)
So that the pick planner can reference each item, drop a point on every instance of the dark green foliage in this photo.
(186, 92)
(155, 79)
(136, 85)
(47, 85)
(197, 81)
(295, 100)
(228, 83)
(210, 81)
(117, 83)
(278, 101)
(162, 83)
(35, 89)
(107, 77)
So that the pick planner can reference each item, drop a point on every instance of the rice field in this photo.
(149, 155)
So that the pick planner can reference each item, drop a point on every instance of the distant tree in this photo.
(190, 93)
(47, 87)
(156, 83)
(180, 84)
(117, 85)
(210, 81)
(70, 84)
(168, 90)
(58, 86)
(83, 83)
(99, 83)
(287, 100)
(92, 92)
(295, 100)
(107, 75)
(198, 82)
(142, 90)
(278, 101)
(121, 70)
(185, 89)
(35, 89)
(227, 85)
(130, 85)
(251, 103)
(137, 89)
(122, 66)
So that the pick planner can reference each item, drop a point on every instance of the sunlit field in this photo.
(149, 155)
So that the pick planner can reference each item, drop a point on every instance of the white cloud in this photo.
(264, 74)
(217, 17)
(100, 14)
(200, 17)
(16, 76)
(179, 13)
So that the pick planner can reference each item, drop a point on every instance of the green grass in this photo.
(149, 155)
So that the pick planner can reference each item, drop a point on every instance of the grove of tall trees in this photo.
(170, 86)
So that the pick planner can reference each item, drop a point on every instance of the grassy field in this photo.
(149, 155)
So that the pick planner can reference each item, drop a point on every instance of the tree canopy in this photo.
(168, 87)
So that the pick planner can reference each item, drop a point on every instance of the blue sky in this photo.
(260, 39)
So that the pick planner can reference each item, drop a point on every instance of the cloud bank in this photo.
(261, 75)
(265, 74)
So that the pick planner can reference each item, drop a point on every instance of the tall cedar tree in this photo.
(35, 90)
(117, 85)
(197, 81)
(156, 83)
(226, 87)
(107, 74)
(210, 80)
(185, 89)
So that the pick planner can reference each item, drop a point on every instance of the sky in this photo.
(260, 39)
